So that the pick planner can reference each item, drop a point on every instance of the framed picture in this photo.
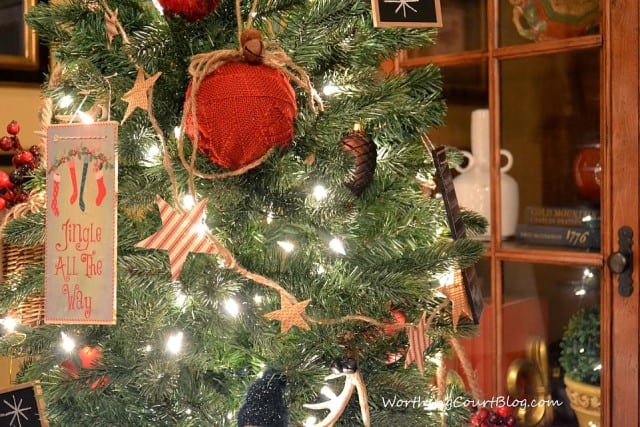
(22, 57)
(22, 405)
(406, 13)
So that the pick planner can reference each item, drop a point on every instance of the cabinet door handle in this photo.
(621, 262)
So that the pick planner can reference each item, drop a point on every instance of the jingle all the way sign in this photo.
(80, 251)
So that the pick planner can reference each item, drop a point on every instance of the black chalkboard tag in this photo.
(22, 406)
(452, 208)
(406, 13)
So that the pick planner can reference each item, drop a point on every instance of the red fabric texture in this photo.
(192, 10)
(243, 111)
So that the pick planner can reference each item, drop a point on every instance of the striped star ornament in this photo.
(179, 235)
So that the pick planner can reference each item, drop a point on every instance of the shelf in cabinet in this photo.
(507, 52)
(548, 47)
(462, 58)
(518, 252)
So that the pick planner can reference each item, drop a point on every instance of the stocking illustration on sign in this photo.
(56, 191)
(102, 191)
(99, 164)
(74, 180)
(83, 181)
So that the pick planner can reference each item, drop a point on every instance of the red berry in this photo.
(399, 318)
(9, 196)
(21, 197)
(5, 180)
(22, 158)
(13, 128)
(482, 414)
(6, 143)
(510, 421)
(35, 150)
(503, 411)
(3, 203)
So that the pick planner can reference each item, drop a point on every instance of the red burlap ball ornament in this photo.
(192, 10)
(243, 111)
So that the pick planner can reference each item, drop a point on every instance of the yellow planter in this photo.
(585, 402)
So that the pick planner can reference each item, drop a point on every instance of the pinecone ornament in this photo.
(364, 151)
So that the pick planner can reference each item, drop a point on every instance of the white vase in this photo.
(473, 184)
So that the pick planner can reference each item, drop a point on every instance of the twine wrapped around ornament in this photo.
(255, 53)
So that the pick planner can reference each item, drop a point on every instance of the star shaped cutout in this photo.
(179, 235)
(418, 343)
(111, 19)
(458, 297)
(138, 96)
(290, 314)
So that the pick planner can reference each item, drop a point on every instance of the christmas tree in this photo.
(316, 248)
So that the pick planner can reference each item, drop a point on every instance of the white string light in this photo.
(320, 192)
(152, 154)
(148, 348)
(288, 247)
(258, 299)
(176, 132)
(68, 344)
(174, 343)
(188, 202)
(336, 245)
(9, 324)
(232, 307)
(330, 89)
(269, 217)
(181, 298)
(447, 278)
(65, 101)
(85, 118)
(311, 421)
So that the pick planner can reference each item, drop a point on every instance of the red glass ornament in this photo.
(399, 319)
(587, 172)
(89, 357)
(191, 10)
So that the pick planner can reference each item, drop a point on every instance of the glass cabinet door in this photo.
(544, 97)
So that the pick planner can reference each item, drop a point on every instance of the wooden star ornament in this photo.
(457, 295)
(138, 96)
(418, 343)
(110, 21)
(181, 233)
(291, 314)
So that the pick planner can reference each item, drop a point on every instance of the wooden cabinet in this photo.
(561, 87)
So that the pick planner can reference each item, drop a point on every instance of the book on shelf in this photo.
(566, 216)
(586, 237)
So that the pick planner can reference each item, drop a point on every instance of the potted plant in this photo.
(580, 360)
